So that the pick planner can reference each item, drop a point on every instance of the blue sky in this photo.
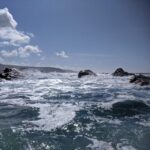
(95, 34)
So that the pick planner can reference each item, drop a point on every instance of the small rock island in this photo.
(140, 79)
(120, 72)
(10, 73)
(85, 73)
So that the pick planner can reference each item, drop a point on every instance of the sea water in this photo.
(58, 111)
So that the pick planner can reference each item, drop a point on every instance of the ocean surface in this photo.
(58, 111)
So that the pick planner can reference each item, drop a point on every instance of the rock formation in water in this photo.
(123, 109)
(10, 73)
(85, 73)
(120, 72)
(140, 79)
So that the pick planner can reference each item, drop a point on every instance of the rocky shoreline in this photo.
(142, 80)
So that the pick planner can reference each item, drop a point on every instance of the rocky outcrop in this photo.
(85, 73)
(120, 72)
(10, 73)
(140, 79)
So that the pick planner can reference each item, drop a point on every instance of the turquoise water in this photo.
(61, 112)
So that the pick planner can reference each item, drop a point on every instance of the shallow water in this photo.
(61, 112)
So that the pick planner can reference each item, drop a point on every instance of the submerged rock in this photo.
(120, 72)
(130, 108)
(140, 79)
(10, 73)
(85, 73)
(123, 109)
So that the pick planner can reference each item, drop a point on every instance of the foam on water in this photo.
(145, 123)
(125, 146)
(109, 120)
(102, 145)
(99, 145)
(64, 107)
(52, 116)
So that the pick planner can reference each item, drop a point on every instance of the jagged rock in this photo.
(85, 73)
(10, 73)
(120, 72)
(140, 79)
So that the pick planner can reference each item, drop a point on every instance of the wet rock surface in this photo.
(83, 73)
(140, 79)
(120, 72)
(10, 73)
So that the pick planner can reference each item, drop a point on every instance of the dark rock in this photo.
(120, 72)
(130, 108)
(133, 79)
(126, 108)
(140, 79)
(10, 73)
(7, 70)
(85, 73)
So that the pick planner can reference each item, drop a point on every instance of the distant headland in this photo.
(41, 69)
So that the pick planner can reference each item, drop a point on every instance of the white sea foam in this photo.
(126, 96)
(145, 123)
(103, 145)
(99, 145)
(53, 116)
(109, 105)
(109, 120)
(19, 102)
(126, 147)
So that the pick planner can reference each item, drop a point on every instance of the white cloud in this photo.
(27, 50)
(21, 51)
(6, 19)
(13, 37)
(4, 43)
(10, 36)
(62, 54)
(8, 31)
(12, 53)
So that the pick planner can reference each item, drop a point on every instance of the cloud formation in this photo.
(21, 51)
(13, 43)
(12, 53)
(28, 50)
(8, 31)
(6, 19)
(62, 54)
